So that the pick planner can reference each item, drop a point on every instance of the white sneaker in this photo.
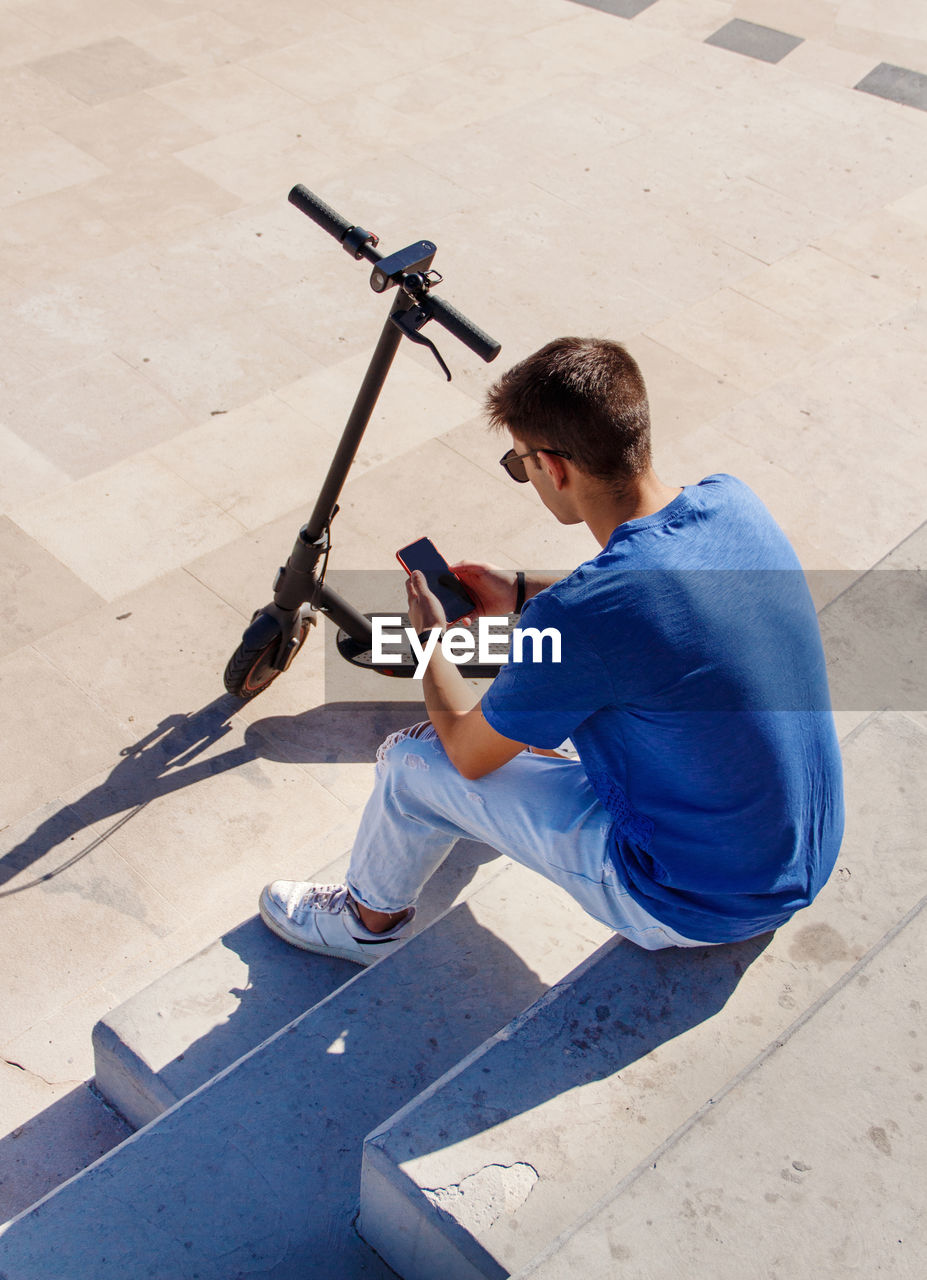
(324, 918)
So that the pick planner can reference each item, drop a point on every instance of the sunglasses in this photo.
(514, 463)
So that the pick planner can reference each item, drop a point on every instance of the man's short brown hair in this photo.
(583, 395)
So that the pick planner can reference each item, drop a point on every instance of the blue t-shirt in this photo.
(692, 684)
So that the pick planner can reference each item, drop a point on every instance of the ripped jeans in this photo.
(539, 811)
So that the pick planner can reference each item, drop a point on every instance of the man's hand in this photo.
(472, 745)
(493, 589)
(424, 607)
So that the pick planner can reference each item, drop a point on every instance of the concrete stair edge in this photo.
(446, 1135)
(438, 1243)
(140, 1078)
(737, 1098)
(175, 1147)
(118, 1076)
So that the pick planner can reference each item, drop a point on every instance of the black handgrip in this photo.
(320, 212)
(453, 320)
(469, 334)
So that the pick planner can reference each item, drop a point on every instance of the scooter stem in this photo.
(356, 425)
(297, 582)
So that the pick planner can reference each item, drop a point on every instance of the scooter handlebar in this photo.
(456, 323)
(470, 335)
(326, 217)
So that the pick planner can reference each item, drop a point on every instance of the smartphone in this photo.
(425, 556)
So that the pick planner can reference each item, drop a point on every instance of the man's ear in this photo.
(555, 467)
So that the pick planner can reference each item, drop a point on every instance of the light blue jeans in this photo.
(539, 811)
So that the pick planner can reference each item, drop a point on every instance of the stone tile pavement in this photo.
(179, 346)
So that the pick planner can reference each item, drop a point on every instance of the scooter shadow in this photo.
(180, 752)
(334, 733)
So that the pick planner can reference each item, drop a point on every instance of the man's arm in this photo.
(472, 745)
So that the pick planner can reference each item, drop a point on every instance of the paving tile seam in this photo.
(636, 6)
(94, 843)
(214, 591)
(281, 749)
(840, 339)
(805, 364)
(846, 738)
(158, 572)
(911, 717)
(676, 223)
(192, 421)
(759, 64)
(914, 532)
(225, 509)
(864, 573)
(913, 304)
(86, 693)
(321, 98)
(866, 211)
(137, 868)
(821, 217)
(916, 224)
(652, 1159)
(703, 222)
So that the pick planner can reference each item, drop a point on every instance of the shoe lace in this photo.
(323, 897)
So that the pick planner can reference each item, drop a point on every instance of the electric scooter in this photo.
(278, 630)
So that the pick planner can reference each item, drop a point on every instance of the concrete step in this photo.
(817, 1153)
(492, 1164)
(258, 1171)
(198, 1018)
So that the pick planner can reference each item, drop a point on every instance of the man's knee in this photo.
(407, 747)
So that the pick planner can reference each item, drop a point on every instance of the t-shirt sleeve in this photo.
(539, 700)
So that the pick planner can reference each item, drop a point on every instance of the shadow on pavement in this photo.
(172, 757)
(274, 1148)
(50, 1147)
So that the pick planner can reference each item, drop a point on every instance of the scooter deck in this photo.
(403, 665)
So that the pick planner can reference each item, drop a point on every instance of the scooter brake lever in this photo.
(409, 322)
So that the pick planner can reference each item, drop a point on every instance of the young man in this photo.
(706, 804)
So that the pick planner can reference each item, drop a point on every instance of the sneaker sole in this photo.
(318, 948)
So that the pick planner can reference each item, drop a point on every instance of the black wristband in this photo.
(519, 591)
(423, 635)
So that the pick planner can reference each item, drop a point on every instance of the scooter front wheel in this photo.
(250, 669)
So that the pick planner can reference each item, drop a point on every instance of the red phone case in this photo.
(424, 538)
